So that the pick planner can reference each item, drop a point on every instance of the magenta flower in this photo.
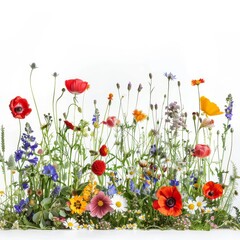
(100, 205)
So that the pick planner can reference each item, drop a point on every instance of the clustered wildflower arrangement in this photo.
(128, 168)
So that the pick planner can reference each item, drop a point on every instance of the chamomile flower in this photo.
(142, 217)
(207, 210)
(119, 203)
(71, 223)
(131, 173)
(191, 206)
(200, 203)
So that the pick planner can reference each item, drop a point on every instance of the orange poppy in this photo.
(169, 201)
(208, 107)
(212, 190)
(197, 82)
(139, 115)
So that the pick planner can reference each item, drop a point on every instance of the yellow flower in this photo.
(1, 193)
(208, 107)
(78, 204)
(139, 115)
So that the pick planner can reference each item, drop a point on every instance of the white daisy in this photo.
(200, 203)
(119, 203)
(71, 223)
(131, 173)
(207, 210)
(191, 206)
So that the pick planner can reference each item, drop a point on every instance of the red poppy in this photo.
(155, 205)
(98, 167)
(69, 125)
(76, 86)
(169, 201)
(212, 190)
(103, 151)
(19, 107)
(201, 151)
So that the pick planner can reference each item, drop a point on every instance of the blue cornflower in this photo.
(50, 171)
(25, 185)
(111, 190)
(18, 155)
(133, 189)
(174, 182)
(170, 76)
(56, 191)
(19, 207)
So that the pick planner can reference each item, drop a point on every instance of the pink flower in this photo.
(207, 122)
(201, 151)
(111, 121)
(100, 205)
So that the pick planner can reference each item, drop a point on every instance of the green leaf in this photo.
(45, 202)
(37, 217)
(62, 213)
(50, 216)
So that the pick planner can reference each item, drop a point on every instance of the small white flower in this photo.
(2, 224)
(15, 225)
(207, 210)
(200, 203)
(71, 223)
(131, 173)
(191, 206)
(119, 203)
(142, 217)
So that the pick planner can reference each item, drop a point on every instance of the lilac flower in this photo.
(50, 171)
(33, 161)
(228, 109)
(170, 76)
(18, 155)
(56, 191)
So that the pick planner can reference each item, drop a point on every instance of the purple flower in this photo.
(111, 190)
(170, 76)
(228, 109)
(18, 155)
(33, 161)
(133, 189)
(50, 171)
(19, 207)
(174, 182)
(56, 191)
(25, 185)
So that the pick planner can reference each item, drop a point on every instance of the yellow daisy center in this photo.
(118, 204)
(70, 224)
(100, 203)
(199, 204)
(191, 206)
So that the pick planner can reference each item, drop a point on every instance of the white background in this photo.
(108, 41)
